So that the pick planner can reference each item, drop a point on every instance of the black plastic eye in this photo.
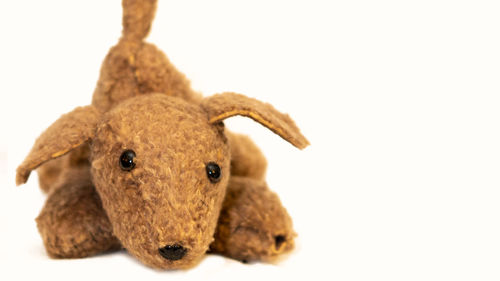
(213, 172)
(127, 160)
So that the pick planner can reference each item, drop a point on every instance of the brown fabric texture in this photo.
(50, 172)
(246, 158)
(253, 225)
(150, 167)
(72, 223)
(137, 18)
(136, 68)
(167, 199)
(70, 131)
(222, 106)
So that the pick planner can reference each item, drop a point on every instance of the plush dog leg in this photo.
(72, 223)
(50, 173)
(246, 158)
(253, 225)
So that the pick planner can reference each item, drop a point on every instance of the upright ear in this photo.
(68, 132)
(222, 106)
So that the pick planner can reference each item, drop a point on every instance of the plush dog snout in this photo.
(173, 252)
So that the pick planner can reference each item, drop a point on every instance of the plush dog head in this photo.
(160, 166)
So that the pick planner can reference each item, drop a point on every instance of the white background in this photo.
(400, 100)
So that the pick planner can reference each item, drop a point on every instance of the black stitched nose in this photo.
(172, 252)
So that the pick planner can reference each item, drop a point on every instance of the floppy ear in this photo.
(222, 106)
(68, 132)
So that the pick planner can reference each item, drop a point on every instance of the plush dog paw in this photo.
(257, 244)
(73, 224)
(253, 224)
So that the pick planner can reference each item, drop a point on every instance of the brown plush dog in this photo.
(149, 166)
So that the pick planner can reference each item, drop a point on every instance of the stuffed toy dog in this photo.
(149, 166)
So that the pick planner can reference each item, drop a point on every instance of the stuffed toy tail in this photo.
(137, 18)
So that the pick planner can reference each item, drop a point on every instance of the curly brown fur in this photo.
(173, 201)
(222, 106)
(246, 158)
(50, 173)
(72, 223)
(165, 207)
(135, 68)
(253, 225)
(62, 136)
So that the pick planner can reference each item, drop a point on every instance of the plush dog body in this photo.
(149, 166)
